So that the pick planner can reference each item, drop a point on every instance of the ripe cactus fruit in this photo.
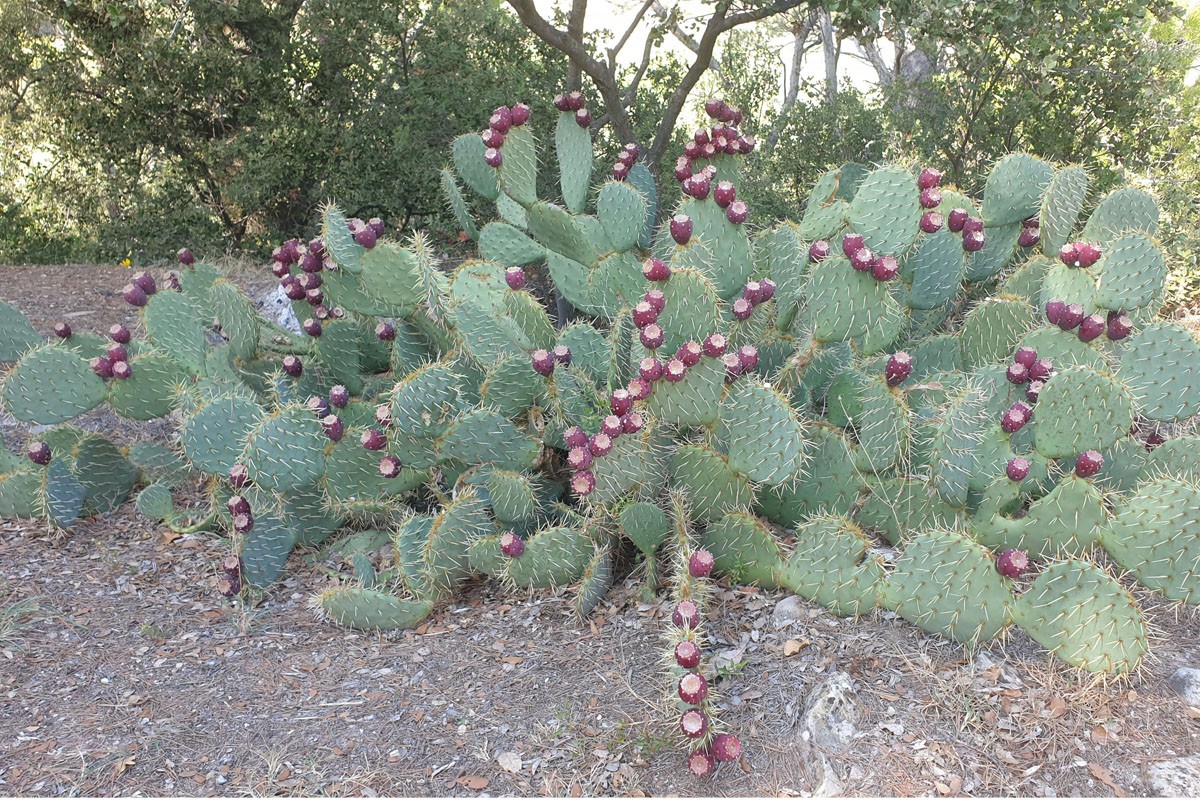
(366, 236)
(389, 467)
(373, 439)
(612, 426)
(579, 458)
(733, 366)
(681, 228)
(562, 354)
(600, 445)
(1017, 373)
(956, 220)
(885, 268)
(543, 362)
(1017, 469)
(973, 225)
(742, 309)
(293, 366)
(863, 259)
(38, 453)
(122, 371)
(1034, 390)
(652, 337)
(851, 244)
(651, 369)
(493, 157)
(334, 428)
(932, 222)
(1091, 327)
(116, 352)
(639, 389)
(501, 119)
(747, 357)
(339, 396)
(492, 138)
(724, 194)
(515, 278)
(715, 345)
(185, 257)
(583, 483)
(686, 615)
(632, 422)
(929, 178)
(239, 476)
(700, 565)
(583, 118)
(134, 295)
(644, 314)
(383, 415)
(621, 402)
(146, 281)
(818, 251)
(701, 763)
(102, 366)
(62, 330)
(1015, 417)
(656, 299)
(1054, 310)
(511, 544)
(238, 505)
(766, 290)
(899, 367)
(1069, 254)
(1087, 254)
(973, 241)
(1025, 356)
(674, 370)
(930, 198)
(726, 747)
(1029, 237)
(693, 688)
(654, 269)
(1088, 463)
(1040, 370)
(385, 331)
(687, 654)
(311, 327)
(120, 334)
(1070, 317)
(1119, 325)
(693, 723)
(243, 523)
(314, 297)
(575, 437)
(1012, 563)
(689, 353)
(738, 212)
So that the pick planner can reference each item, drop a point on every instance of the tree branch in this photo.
(575, 31)
(671, 20)
(637, 19)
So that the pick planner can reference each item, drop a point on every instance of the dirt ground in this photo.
(123, 672)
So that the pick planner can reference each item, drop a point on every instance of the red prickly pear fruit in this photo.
(957, 219)
(929, 178)
(738, 212)
(117, 352)
(686, 615)
(314, 297)
(134, 295)
(693, 688)
(885, 269)
(579, 458)
(501, 119)
(656, 298)
(561, 103)
(899, 367)
(492, 139)
(652, 337)
(863, 259)
(231, 565)
(620, 171)
(747, 357)
(1017, 373)
(293, 366)
(632, 422)
(1017, 469)
(583, 483)
(651, 369)
(621, 402)
(1154, 439)
(385, 331)
(818, 251)
(1034, 390)
(724, 194)
(681, 228)
(612, 426)
(185, 257)
(1031, 222)
(687, 654)
(742, 309)
(383, 415)
(1088, 463)
(644, 314)
(1029, 237)
(689, 353)
(973, 241)
(726, 747)
(1070, 317)
(715, 345)
(700, 186)
(38, 453)
(692, 151)
(852, 243)
(600, 445)
(733, 366)
(930, 198)
(238, 505)
(339, 396)
(335, 429)
(1069, 254)
(735, 116)
(1026, 356)
(1087, 254)
(122, 371)
(701, 137)
(766, 288)
(520, 114)
(575, 437)
(511, 544)
(1040, 370)
(389, 467)
(639, 389)
(1119, 325)
(493, 157)
(574, 101)
(376, 224)
(239, 476)
(102, 366)
(1012, 563)
(683, 169)
(1091, 327)
(693, 723)
(1013, 418)
(311, 327)
(631, 151)
(583, 118)
(543, 362)
(674, 371)
(366, 236)
(373, 439)
(562, 354)
(243, 523)
(172, 281)
(714, 107)
(62, 330)
(932, 222)
(1054, 310)
(973, 225)
(310, 280)
(701, 764)
(700, 565)
(119, 334)
(746, 144)
(279, 269)
(654, 269)
(295, 291)
(752, 291)
(146, 281)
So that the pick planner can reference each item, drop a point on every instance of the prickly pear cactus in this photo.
(969, 387)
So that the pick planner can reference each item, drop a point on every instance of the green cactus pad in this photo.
(824, 221)
(1124, 466)
(1061, 203)
(1121, 210)
(1064, 522)
(458, 203)
(266, 548)
(512, 496)
(1130, 273)
(504, 244)
(730, 261)
(744, 549)
(426, 401)
(844, 304)
(1063, 348)
(557, 230)
(16, 334)
(485, 436)
(622, 212)
(174, 325)
(646, 525)
(239, 321)
(764, 439)
(1081, 409)
(641, 179)
(998, 250)
(691, 312)
(616, 281)
(390, 274)
(64, 494)
(158, 463)
(467, 152)
(595, 582)
(105, 474)
(571, 278)
(49, 385)
(152, 390)
(511, 387)
(590, 351)
(1014, 189)
(635, 464)
(573, 145)
(900, 507)
(484, 555)
(442, 554)
(339, 241)
(992, 329)
(830, 565)
(934, 355)
(947, 583)
(1161, 366)
(21, 494)
(832, 484)
(954, 437)
(518, 172)
(885, 210)
(881, 425)
(695, 400)
(935, 269)
(1177, 458)
(1081, 614)
(155, 502)
(1069, 285)
(285, 450)
(711, 486)
(552, 557)
(214, 437)
(1026, 280)
(368, 609)
(1156, 536)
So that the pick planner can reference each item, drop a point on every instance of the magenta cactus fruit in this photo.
(38, 453)
(579, 458)
(612, 426)
(753, 292)
(375, 224)
(620, 171)
(1029, 237)
(1012, 563)
(389, 467)
(239, 476)
(339, 396)
(932, 222)
(238, 505)
(733, 366)
(632, 422)
(102, 366)
(714, 345)
(1040, 370)
(654, 269)
(929, 178)
(134, 295)
(701, 764)
(146, 281)
(117, 352)
(726, 747)
(172, 281)
(1069, 254)
(747, 357)
(973, 241)
(899, 367)
(1054, 310)
(1025, 356)
(583, 118)
(583, 483)
(687, 654)
(693, 688)
(957, 220)
(639, 389)
(686, 615)
(293, 366)
(1154, 439)
(931, 197)
(119, 334)
(724, 194)
(652, 337)
(644, 314)
(1015, 417)
(674, 370)
(701, 186)
(314, 297)
(681, 228)
(243, 523)
(311, 327)
(621, 402)
(1119, 325)
(543, 362)
(689, 353)
(715, 107)
(501, 119)
(738, 212)
(575, 437)
(185, 256)
(280, 269)
(515, 278)
(1017, 373)
(742, 309)
(973, 225)
(651, 369)
(122, 371)
(852, 243)
(519, 114)
(493, 158)
(818, 251)
(62, 330)
(1088, 463)
(1034, 390)
(492, 139)
(366, 236)
(334, 428)
(656, 298)
(600, 445)
(693, 723)
(885, 268)
(766, 290)
(1091, 327)
(383, 415)
(294, 290)
(561, 103)
(1071, 316)
(1017, 469)
(385, 331)
(373, 439)
(863, 259)
(562, 354)
(511, 544)
(1087, 254)
(700, 565)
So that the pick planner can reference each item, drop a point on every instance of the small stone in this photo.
(1185, 682)
(787, 611)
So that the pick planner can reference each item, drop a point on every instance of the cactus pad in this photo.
(1081, 409)
(50, 385)
(830, 565)
(1161, 366)
(1156, 536)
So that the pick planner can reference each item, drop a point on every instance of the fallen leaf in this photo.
(1103, 775)
(475, 782)
(123, 764)
(1058, 707)
(793, 646)
(1100, 735)
(169, 536)
(509, 762)
(512, 660)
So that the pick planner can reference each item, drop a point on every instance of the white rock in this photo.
(828, 725)
(1179, 777)
(276, 307)
(1185, 682)
(788, 610)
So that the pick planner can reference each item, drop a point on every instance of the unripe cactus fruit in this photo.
(238, 505)
(686, 615)
(575, 437)
(293, 366)
(122, 371)
(134, 295)
(681, 228)
(693, 688)
(1119, 325)
(515, 278)
(185, 257)
(389, 467)
(714, 345)
(654, 269)
(957, 219)
(511, 544)
(818, 251)
(102, 366)
(693, 723)
(1017, 469)
(687, 654)
(929, 178)
(656, 299)
(674, 370)
(701, 763)
(1091, 327)
(652, 337)
(579, 458)
(1012, 563)
(583, 483)
(373, 439)
(339, 396)
(700, 565)
(1088, 463)
(899, 367)
(651, 369)
(543, 362)
(851, 244)
(932, 222)
(38, 453)
(600, 445)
